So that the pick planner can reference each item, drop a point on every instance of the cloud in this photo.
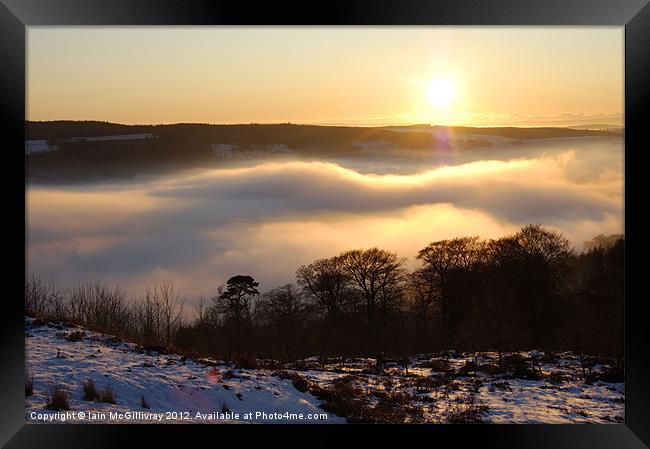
(267, 219)
(517, 190)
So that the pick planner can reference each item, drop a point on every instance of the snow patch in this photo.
(39, 146)
(168, 383)
(236, 151)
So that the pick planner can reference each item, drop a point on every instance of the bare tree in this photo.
(171, 309)
(326, 284)
(283, 310)
(43, 299)
(376, 274)
(96, 305)
(441, 259)
(422, 294)
(200, 315)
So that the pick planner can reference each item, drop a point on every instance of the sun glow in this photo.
(441, 93)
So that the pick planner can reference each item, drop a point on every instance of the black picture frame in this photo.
(634, 15)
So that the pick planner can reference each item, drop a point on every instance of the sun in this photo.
(441, 93)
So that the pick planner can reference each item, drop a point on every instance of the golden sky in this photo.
(327, 75)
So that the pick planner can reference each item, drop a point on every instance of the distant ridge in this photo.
(61, 129)
(87, 151)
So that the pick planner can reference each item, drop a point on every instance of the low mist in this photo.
(269, 217)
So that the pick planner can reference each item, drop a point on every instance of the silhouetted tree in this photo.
(326, 284)
(235, 304)
(539, 263)
(375, 274)
(599, 300)
(522, 291)
(377, 278)
(498, 302)
(443, 258)
(236, 299)
(283, 311)
(422, 296)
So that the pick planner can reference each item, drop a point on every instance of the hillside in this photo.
(68, 356)
(531, 387)
(65, 151)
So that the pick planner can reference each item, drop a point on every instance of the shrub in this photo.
(29, 385)
(343, 398)
(525, 372)
(609, 375)
(520, 367)
(469, 413)
(38, 322)
(299, 365)
(246, 363)
(438, 365)
(503, 386)
(59, 398)
(548, 357)
(90, 392)
(107, 395)
(393, 408)
(556, 377)
(75, 336)
(230, 374)
(581, 412)
(513, 359)
(489, 368)
(160, 349)
(469, 367)
(271, 364)
(476, 386)
(428, 384)
(300, 383)
(143, 402)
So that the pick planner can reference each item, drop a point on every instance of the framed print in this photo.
(427, 218)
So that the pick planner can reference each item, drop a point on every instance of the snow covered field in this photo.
(41, 145)
(38, 146)
(541, 388)
(168, 384)
(467, 388)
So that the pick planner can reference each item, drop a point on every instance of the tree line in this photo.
(527, 290)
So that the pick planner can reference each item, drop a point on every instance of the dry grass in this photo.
(59, 398)
(90, 392)
(75, 336)
(29, 385)
(469, 412)
(609, 375)
(343, 398)
(437, 365)
(520, 367)
(431, 383)
(556, 377)
(230, 374)
(107, 395)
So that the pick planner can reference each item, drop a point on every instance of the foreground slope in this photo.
(528, 387)
(168, 383)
